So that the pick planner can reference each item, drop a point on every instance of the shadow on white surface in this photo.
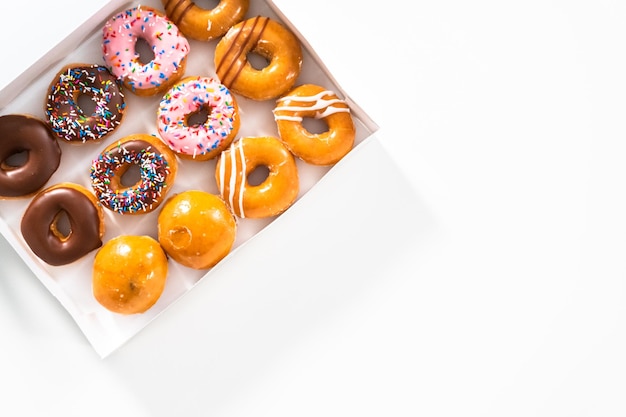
(235, 327)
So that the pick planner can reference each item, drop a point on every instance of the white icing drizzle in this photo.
(242, 180)
(237, 175)
(322, 107)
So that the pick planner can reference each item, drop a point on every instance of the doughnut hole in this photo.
(86, 104)
(257, 60)
(144, 51)
(17, 159)
(61, 226)
(258, 175)
(315, 126)
(130, 175)
(199, 117)
(206, 4)
(196, 229)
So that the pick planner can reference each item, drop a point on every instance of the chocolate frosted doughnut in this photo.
(71, 122)
(40, 227)
(23, 133)
(157, 170)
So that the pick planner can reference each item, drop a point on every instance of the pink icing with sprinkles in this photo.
(190, 96)
(120, 35)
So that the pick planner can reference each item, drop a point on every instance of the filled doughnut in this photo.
(157, 171)
(70, 119)
(196, 229)
(257, 199)
(169, 50)
(264, 37)
(205, 24)
(314, 101)
(129, 274)
(193, 96)
(49, 238)
(33, 139)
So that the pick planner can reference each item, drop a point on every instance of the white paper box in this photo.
(71, 284)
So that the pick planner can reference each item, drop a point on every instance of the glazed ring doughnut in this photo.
(169, 47)
(269, 39)
(64, 113)
(192, 95)
(23, 133)
(201, 24)
(45, 237)
(157, 171)
(313, 101)
(272, 196)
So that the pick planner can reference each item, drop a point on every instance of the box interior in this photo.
(71, 284)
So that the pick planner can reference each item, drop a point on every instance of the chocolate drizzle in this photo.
(244, 41)
(40, 231)
(21, 133)
(171, 11)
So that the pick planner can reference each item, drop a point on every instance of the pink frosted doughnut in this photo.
(169, 46)
(192, 95)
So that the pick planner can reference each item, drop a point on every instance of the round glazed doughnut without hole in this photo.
(129, 274)
(265, 37)
(196, 229)
(205, 24)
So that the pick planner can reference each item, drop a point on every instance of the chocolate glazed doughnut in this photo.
(23, 133)
(40, 227)
(66, 117)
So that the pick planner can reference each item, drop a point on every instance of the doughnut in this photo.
(28, 135)
(269, 39)
(157, 171)
(278, 190)
(42, 227)
(205, 24)
(68, 119)
(169, 47)
(129, 274)
(196, 229)
(316, 102)
(190, 96)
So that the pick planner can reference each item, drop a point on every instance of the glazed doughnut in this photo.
(269, 39)
(41, 230)
(169, 46)
(202, 24)
(129, 274)
(157, 166)
(196, 229)
(68, 120)
(275, 194)
(313, 101)
(191, 96)
(25, 133)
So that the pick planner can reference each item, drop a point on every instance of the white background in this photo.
(476, 268)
